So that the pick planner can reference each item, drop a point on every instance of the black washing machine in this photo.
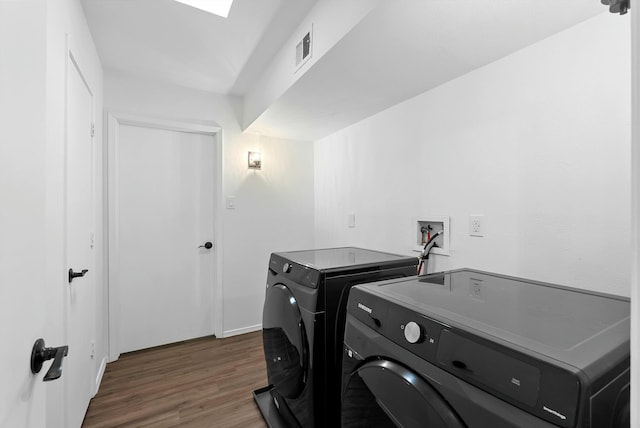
(473, 349)
(303, 326)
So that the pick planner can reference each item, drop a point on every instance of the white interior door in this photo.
(79, 365)
(164, 205)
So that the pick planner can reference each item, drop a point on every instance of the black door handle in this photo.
(80, 274)
(40, 354)
(208, 245)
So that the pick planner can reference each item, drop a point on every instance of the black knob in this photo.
(208, 245)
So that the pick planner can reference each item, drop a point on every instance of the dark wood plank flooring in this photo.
(198, 383)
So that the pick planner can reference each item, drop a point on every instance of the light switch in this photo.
(231, 202)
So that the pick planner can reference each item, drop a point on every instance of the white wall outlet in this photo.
(351, 220)
(476, 225)
(476, 289)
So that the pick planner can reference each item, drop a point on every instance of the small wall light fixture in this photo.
(254, 160)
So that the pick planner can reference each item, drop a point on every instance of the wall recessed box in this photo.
(304, 48)
(421, 227)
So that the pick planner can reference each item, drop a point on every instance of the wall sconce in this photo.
(254, 160)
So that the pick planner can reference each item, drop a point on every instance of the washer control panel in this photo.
(283, 268)
(409, 329)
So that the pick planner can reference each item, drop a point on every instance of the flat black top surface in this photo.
(550, 319)
(345, 258)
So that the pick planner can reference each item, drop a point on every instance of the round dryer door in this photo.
(285, 342)
(384, 394)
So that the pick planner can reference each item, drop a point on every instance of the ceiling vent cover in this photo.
(303, 49)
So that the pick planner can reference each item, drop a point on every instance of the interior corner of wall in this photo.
(236, 104)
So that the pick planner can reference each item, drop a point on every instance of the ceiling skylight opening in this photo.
(217, 7)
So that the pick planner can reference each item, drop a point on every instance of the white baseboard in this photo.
(103, 367)
(243, 330)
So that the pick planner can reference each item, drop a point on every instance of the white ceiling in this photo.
(171, 42)
(399, 50)
(405, 48)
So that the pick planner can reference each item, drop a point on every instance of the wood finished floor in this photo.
(199, 383)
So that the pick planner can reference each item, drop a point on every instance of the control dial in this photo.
(413, 332)
(286, 268)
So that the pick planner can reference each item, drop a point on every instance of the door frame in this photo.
(635, 211)
(72, 61)
(115, 120)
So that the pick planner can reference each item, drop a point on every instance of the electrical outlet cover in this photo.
(476, 227)
(351, 220)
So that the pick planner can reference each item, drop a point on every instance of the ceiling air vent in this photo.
(303, 49)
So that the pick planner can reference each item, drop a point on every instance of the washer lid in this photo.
(328, 259)
(383, 394)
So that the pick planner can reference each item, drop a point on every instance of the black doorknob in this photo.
(208, 245)
(40, 354)
(80, 274)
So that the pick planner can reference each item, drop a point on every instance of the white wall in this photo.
(22, 210)
(32, 107)
(274, 207)
(67, 30)
(274, 212)
(538, 142)
(331, 20)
